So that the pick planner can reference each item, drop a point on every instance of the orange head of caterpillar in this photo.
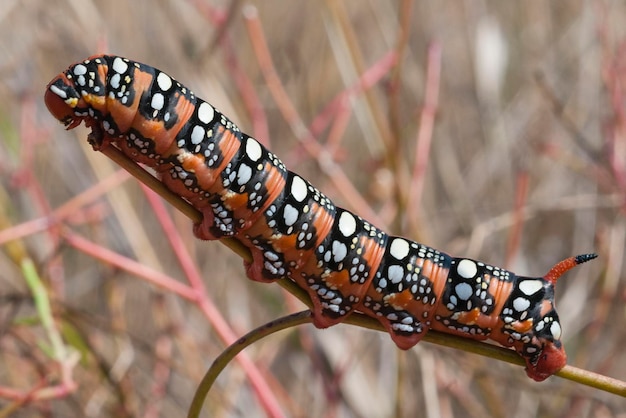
(551, 357)
(551, 360)
(63, 100)
(78, 94)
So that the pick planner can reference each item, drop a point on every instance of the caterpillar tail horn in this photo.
(569, 263)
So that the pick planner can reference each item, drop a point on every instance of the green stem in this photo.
(42, 304)
(229, 354)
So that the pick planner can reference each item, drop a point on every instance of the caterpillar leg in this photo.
(97, 138)
(203, 229)
(217, 222)
(266, 266)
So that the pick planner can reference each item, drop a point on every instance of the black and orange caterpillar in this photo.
(344, 262)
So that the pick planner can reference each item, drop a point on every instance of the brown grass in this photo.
(500, 135)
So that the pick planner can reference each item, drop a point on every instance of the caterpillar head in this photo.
(62, 100)
(551, 360)
(544, 354)
(78, 94)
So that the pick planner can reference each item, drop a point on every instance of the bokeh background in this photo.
(493, 130)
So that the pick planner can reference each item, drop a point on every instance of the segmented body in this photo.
(293, 230)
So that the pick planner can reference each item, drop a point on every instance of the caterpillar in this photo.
(293, 230)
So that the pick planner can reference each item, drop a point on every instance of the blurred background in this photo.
(486, 129)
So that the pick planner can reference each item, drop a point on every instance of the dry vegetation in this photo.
(525, 165)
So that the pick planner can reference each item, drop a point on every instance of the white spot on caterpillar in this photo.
(290, 215)
(158, 101)
(205, 112)
(467, 269)
(269, 267)
(298, 188)
(61, 93)
(463, 291)
(395, 274)
(399, 248)
(115, 81)
(197, 135)
(164, 81)
(339, 251)
(382, 283)
(244, 174)
(80, 69)
(402, 327)
(333, 308)
(521, 304)
(119, 66)
(555, 329)
(347, 224)
(253, 149)
(530, 287)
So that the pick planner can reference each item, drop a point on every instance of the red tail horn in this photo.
(565, 265)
